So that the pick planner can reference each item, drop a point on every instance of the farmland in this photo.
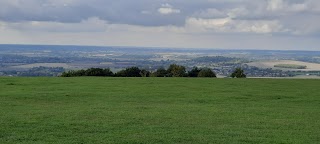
(64, 65)
(287, 65)
(290, 66)
(159, 110)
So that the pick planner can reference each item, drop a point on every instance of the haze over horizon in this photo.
(231, 24)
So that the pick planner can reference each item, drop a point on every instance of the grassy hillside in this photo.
(159, 110)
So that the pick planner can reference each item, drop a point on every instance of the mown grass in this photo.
(159, 110)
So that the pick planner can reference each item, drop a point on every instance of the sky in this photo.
(223, 24)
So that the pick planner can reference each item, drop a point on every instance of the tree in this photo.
(129, 72)
(176, 71)
(194, 72)
(206, 72)
(98, 72)
(161, 72)
(88, 72)
(144, 73)
(73, 73)
(238, 73)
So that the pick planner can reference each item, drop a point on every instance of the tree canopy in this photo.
(176, 71)
(88, 72)
(160, 72)
(238, 73)
(129, 72)
(172, 71)
(194, 72)
(206, 72)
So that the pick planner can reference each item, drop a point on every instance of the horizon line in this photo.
(155, 47)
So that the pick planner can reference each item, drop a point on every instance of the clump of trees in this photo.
(194, 72)
(88, 72)
(172, 71)
(176, 71)
(238, 73)
(206, 72)
(129, 72)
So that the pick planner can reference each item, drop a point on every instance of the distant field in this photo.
(159, 110)
(106, 63)
(290, 66)
(64, 65)
(27, 66)
(272, 64)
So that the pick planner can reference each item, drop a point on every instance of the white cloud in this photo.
(146, 12)
(298, 7)
(259, 26)
(167, 9)
(236, 12)
(210, 13)
(93, 24)
(228, 25)
(166, 5)
(2, 25)
(207, 25)
(274, 5)
(286, 6)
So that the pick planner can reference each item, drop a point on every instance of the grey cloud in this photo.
(146, 12)
(114, 11)
(120, 11)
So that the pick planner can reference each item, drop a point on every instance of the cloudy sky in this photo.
(226, 24)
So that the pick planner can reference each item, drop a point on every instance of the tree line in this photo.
(173, 71)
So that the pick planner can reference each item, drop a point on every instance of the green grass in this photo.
(159, 110)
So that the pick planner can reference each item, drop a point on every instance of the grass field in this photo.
(159, 110)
